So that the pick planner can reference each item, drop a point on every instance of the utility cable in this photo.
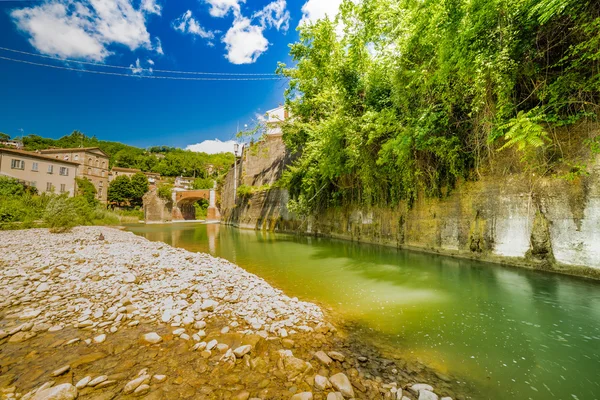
(123, 67)
(176, 78)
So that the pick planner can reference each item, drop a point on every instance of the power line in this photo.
(176, 78)
(123, 67)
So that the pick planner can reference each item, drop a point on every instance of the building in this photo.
(47, 174)
(274, 120)
(153, 178)
(16, 144)
(119, 171)
(184, 183)
(93, 165)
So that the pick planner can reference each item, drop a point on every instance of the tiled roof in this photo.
(35, 155)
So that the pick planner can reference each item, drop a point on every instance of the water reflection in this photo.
(515, 333)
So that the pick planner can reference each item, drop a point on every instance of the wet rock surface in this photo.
(124, 317)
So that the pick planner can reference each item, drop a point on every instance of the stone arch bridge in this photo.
(183, 204)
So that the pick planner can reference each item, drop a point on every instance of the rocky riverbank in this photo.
(100, 313)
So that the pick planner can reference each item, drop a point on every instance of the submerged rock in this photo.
(64, 391)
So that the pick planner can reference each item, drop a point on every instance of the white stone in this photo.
(321, 382)
(132, 385)
(427, 395)
(211, 345)
(302, 396)
(83, 382)
(242, 351)
(100, 338)
(97, 380)
(129, 278)
(342, 384)
(64, 391)
(151, 338)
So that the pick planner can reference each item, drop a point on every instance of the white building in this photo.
(274, 120)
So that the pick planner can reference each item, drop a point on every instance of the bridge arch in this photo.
(184, 204)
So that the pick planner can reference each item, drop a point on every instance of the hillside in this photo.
(167, 161)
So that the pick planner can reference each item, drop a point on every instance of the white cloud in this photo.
(220, 8)
(85, 29)
(158, 46)
(212, 146)
(244, 42)
(188, 24)
(314, 10)
(274, 15)
(137, 68)
(151, 7)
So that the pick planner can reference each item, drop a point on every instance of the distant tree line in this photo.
(167, 161)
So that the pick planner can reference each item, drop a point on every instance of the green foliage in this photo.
(119, 189)
(59, 215)
(4, 136)
(165, 191)
(203, 183)
(128, 191)
(165, 160)
(139, 187)
(245, 191)
(86, 189)
(201, 207)
(416, 95)
(10, 187)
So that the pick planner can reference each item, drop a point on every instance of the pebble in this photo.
(83, 382)
(302, 396)
(324, 358)
(151, 338)
(211, 345)
(60, 371)
(100, 338)
(159, 378)
(97, 380)
(242, 351)
(336, 356)
(342, 384)
(64, 391)
(141, 390)
(134, 384)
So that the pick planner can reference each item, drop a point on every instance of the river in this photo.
(511, 333)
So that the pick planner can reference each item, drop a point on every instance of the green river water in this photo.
(511, 333)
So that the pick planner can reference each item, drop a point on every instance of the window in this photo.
(100, 183)
(66, 157)
(89, 171)
(62, 188)
(17, 164)
(97, 162)
(49, 187)
(76, 157)
(50, 169)
(100, 193)
(34, 166)
(89, 161)
(33, 184)
(64, 171)
(102, 173)
(103, 164)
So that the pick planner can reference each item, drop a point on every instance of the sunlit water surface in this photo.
(514, 334)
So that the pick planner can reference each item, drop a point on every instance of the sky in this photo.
(101, 61)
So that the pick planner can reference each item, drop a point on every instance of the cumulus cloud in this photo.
(151, 7)
(85, 29)
(188, 24)
(274, 15)
(220, 8)
(212, 146)
(244, 42)
(314, 10)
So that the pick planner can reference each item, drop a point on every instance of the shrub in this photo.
(165, 191)
(60, 216)
(245, 191)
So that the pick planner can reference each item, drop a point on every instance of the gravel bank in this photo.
(104, 314)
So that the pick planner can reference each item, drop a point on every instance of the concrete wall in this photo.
(548, 224)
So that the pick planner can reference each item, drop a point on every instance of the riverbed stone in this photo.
(98, 380)
(324, 358)
(64, 391)
(427, 395)
(335, 396)
(242, 351)
(151, 338)
(134, 384)
(61, 370)
(83, 382)
(302, 396)
(342, 384)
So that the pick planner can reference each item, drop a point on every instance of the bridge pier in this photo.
(183, 208)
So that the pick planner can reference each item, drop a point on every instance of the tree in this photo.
(119, 190)
(86, 189)
(203, 183)
(139, 187)
(4, 136)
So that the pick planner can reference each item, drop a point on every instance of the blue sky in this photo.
(225, 36)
